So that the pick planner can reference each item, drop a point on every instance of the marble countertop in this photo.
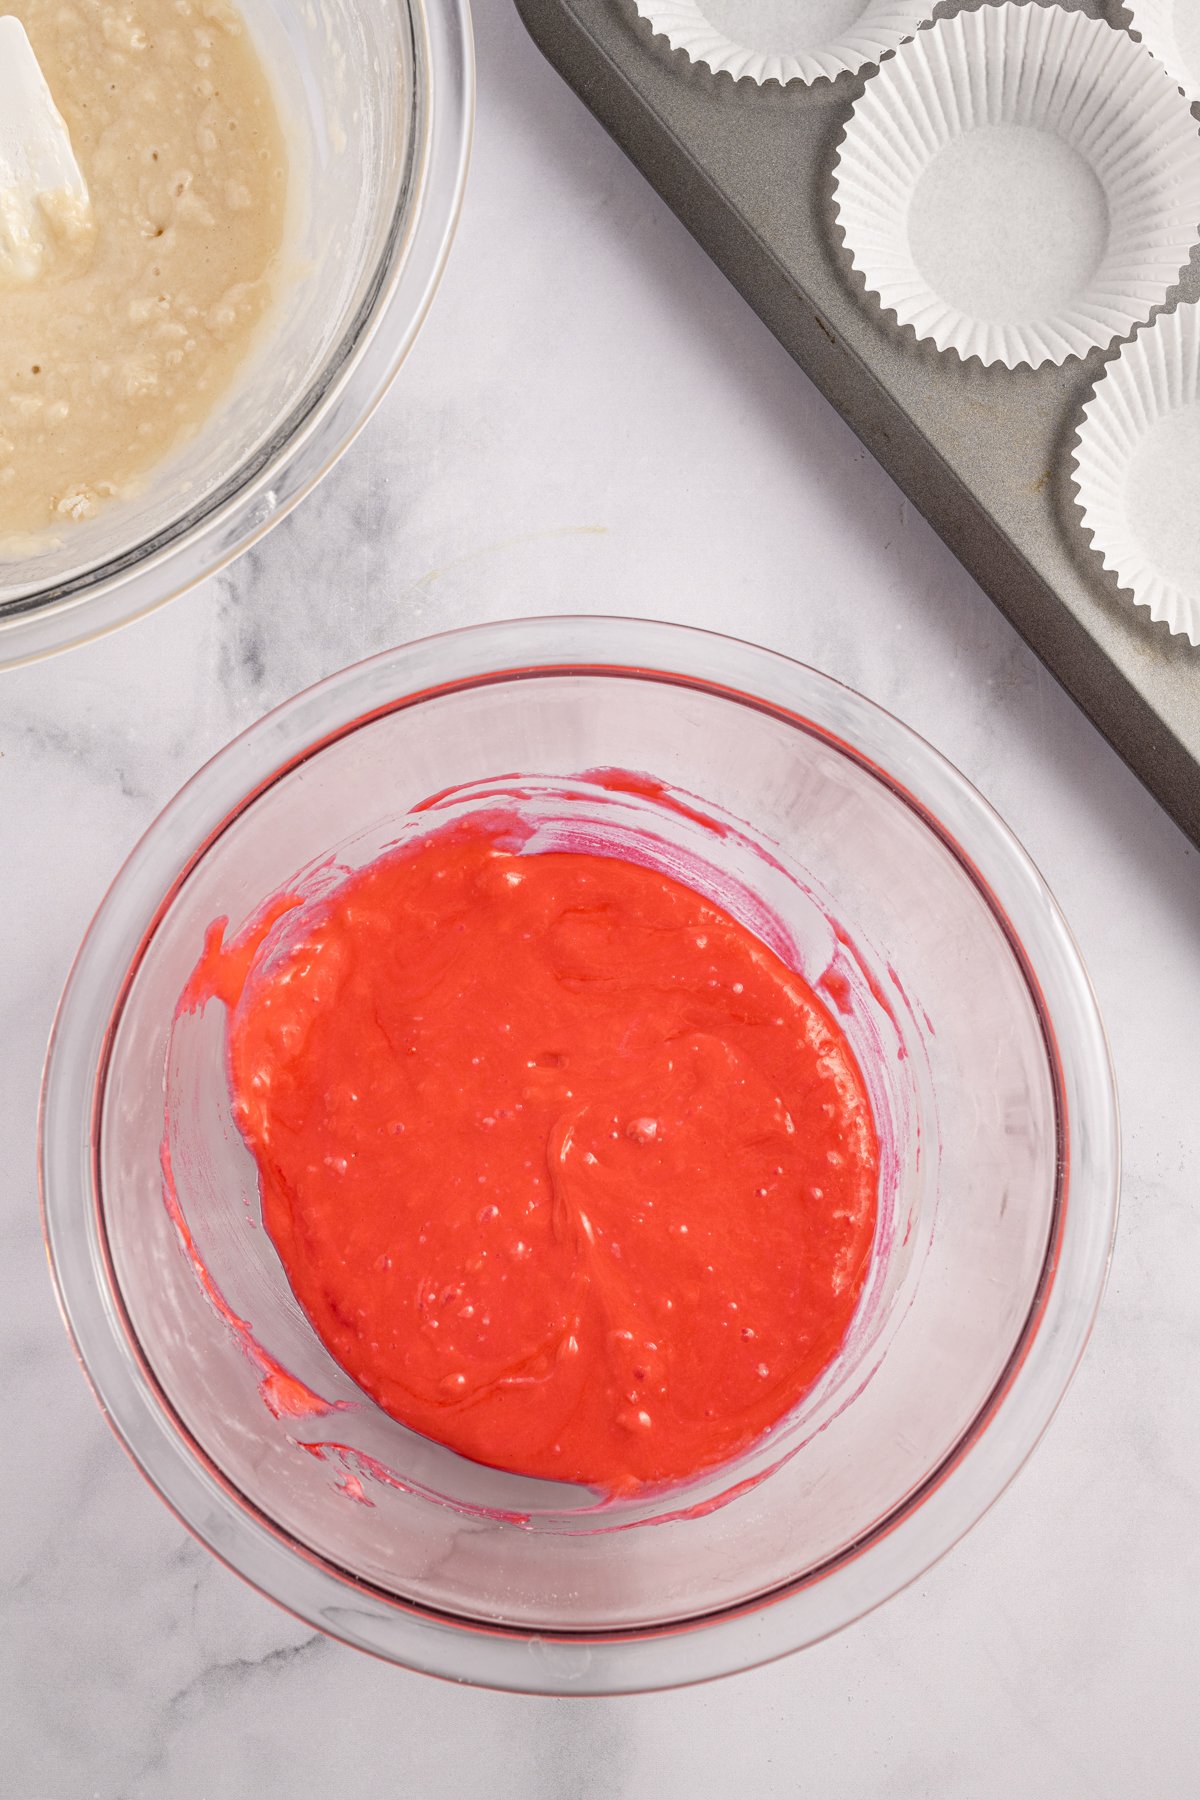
(592, 420)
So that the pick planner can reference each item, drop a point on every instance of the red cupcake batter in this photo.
(567, 1169)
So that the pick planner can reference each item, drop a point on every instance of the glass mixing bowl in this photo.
(377, 100)
(872, 861)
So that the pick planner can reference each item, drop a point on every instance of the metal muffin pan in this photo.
(985, 454)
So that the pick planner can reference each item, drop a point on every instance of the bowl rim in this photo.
(326, 419)
(920, 1529)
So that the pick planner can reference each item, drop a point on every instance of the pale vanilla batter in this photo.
(125, 341)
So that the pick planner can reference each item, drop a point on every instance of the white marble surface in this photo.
(593, 420)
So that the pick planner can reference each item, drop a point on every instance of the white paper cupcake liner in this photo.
(784, 40)
(1170, 30)
(1020, 183)
(1137, 469)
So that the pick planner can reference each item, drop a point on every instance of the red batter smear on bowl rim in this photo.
(568, 1170)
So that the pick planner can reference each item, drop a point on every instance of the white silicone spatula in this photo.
(40, 181)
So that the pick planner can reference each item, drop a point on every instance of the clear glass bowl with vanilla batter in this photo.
(375, 103)
(967, 1008)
